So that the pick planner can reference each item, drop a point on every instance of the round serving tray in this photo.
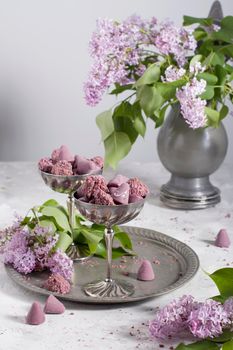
(174, 264)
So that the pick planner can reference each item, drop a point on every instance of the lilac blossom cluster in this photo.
(28, 250)
(119, 51)
(191, 105)
(187, 316)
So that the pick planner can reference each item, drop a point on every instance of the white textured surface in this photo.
(103, 327)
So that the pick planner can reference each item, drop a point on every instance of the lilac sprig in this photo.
(186, 316)
(35, 249)
(120, 49)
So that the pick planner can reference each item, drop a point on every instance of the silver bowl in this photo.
(65, 184)
(68, 185)
(109, 215)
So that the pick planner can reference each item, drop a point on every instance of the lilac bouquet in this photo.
(156, 65)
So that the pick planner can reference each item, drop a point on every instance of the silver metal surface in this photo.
(109, 215)
(190, 156)
(65, 184)
(68, 185)
(178, 264)
(109, 289)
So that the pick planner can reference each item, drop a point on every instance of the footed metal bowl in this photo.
(65, 184)
(109, 215)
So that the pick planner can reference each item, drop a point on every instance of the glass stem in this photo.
(70, 207)
(108, 234)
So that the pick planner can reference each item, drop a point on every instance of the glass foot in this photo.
(109, 289)
(76, 254)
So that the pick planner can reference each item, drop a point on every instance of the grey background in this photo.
(44, 61)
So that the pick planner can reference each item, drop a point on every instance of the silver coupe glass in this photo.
(109, 215)
(68, 185)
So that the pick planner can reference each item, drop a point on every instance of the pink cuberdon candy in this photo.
(118, 180)
(222, 239)
(63, 167)
(120, 194)
(145, 271)
(84, 166)
(35, 315)
(53, 306)
(57, 284)
(65, 154)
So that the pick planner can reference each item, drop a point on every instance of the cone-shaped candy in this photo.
(36, 315)
(84, 166)
(120, 194)
(222, 239)
(117, 181)
(145, 271)
(133, 198)
(53, 306)
(65, 154)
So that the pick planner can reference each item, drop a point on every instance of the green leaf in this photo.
(117, 146)
(116, 252)
(160, 116)
(50, 203)
(214, 58)
(223, 112)
(151, 75)
(226, 31)
(201, 345)
(224, 337)
(123, 119)
(213, 116)
(199, 34)
(208, 94)
(121, 88)
(105, 124)
(228, 345)
(150, 99)
(187, 20)
(211, 79)
(58, 215)
(220, 298)
(139, 122)
(195, 59)
(48, 223)
(124, 239)
(223, 279)
(64, 241)
(229, 68)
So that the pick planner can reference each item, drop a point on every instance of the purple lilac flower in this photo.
(176, 41)
(197, 68)
(172, 319)
(18, 253)
(192, 106)
(208, 320)
(118, 50)
(25, 263)
(60, 263)
(173, 73)
(42, 240)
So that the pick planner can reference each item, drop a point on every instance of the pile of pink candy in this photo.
(63, 162)
(119, 190)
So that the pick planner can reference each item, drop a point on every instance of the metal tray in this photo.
(174, 264)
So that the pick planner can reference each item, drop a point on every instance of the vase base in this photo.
(189, 194)
(76, 255)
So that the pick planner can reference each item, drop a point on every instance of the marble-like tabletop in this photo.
(110, 327)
